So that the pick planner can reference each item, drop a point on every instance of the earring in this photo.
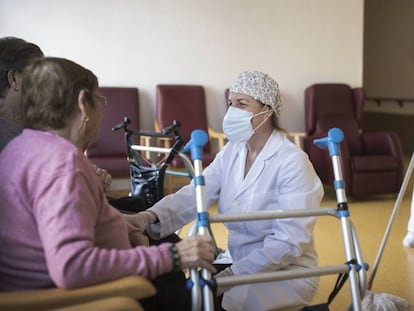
(85, 119)
(16, 88)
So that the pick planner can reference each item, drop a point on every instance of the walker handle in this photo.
(332, 141)
(198, 139)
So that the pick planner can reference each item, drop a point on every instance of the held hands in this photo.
(197, 251)
(141, 220)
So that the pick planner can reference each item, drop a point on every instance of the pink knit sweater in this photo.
(56, 226)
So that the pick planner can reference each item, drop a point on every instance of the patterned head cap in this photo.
(259, 86)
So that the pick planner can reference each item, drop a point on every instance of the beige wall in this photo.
(145, 42)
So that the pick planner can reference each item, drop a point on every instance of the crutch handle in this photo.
(198, 139)
(332, 141)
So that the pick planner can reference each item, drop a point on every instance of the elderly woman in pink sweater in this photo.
(56, 226)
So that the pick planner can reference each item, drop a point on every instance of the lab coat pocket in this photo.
(261, 202)
(264, 201)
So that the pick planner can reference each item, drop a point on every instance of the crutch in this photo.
(331, 142)
(200, 290)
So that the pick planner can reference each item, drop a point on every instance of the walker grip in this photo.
(198, 139)
(332, 141)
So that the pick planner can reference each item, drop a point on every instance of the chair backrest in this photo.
(109, 150)
(330, 105)
(185, 103)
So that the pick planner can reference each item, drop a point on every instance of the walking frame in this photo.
(201, 282)
(202, 295)
(142, 168)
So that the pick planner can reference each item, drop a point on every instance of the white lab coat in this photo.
(282, 177)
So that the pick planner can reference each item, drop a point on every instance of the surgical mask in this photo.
(237, 125)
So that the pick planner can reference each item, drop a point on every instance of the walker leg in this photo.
(198, 139)
(332, 141)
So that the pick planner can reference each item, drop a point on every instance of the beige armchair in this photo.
(120, 294)
(297, 138)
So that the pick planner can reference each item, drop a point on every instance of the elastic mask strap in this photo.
(258, 114)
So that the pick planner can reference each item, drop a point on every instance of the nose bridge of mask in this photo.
(238, 114)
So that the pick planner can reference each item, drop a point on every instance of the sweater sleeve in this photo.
(69, 214)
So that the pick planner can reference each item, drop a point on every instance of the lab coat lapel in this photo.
(270, 148)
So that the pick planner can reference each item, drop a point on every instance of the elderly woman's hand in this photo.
(197, 251)
(104, 177)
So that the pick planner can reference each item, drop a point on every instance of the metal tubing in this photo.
(332, 141)
(186, 160)
(195, 290)
(208, 301)
(350, 255)
(234, 217)
(198, 139)
(340, 191)
(391, 220)
(280, 275)
(199, 189)
(364, 268)
(347, 235)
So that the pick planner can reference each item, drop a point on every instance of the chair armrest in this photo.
(161, 141)
(132, 286)
(382, 143)
(107, 304)
(297, 138)
(145, 141)
(220, 137)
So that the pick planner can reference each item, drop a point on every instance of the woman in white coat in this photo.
(258, 170)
